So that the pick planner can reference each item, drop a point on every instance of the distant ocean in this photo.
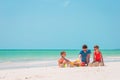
(43, 58)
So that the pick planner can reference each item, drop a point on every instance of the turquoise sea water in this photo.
(26, 58)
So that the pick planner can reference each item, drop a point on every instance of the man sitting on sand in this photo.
(84, 56)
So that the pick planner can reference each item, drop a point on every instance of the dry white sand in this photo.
(109, 72)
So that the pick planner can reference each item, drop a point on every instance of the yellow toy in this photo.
(75, 63)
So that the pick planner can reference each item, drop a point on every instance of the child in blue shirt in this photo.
(84, 55)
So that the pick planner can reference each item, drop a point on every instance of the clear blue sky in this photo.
(59, 24)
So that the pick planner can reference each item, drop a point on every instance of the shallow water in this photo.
(43, 58)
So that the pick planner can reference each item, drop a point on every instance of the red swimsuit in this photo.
(97, 56)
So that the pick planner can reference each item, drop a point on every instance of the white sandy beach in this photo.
(109, 72)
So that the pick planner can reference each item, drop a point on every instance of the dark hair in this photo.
(62, 53)
(84, 46)
(96, 46)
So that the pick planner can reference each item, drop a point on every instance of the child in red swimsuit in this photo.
(97, 57)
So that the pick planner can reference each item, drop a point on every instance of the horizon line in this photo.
(55, 49)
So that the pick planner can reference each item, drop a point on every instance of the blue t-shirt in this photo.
(84, 55)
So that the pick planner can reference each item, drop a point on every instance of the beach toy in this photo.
(82, 64)
(71, 64)
(65, 65)
(77, 60)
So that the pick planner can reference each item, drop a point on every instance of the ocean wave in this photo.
(113, 57)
